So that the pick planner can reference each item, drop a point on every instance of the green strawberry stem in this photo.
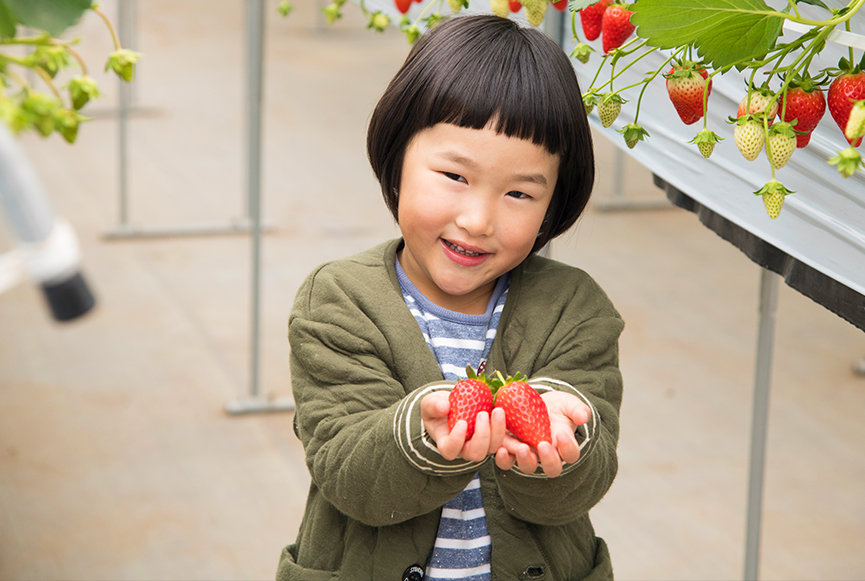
(574, 26)
(768, 145)
(95, 8)
(48, 81)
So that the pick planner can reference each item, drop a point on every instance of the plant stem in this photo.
(110, 28)
(77, 57)
(48, 81)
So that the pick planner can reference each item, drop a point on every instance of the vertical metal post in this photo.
(759, 423)
(124, 31)
(254, 97)
(254, 65)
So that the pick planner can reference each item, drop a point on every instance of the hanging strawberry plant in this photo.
(46, 105)
(784, 98)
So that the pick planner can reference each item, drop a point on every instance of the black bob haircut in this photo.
(469, 70)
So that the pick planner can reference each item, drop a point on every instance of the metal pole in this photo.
(254, 97)
(124, 31)
(759, 423)
(255, 55)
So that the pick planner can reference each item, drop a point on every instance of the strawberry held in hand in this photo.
(616, 27)
(467, 399)
(526, 415)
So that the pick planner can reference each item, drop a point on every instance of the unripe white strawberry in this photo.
(535, 11)
(500, 8)
(750, 138)
(856, 122)
(760, 100)
(781, 144)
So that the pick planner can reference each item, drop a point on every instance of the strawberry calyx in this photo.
(847, 161)
(773, 186)
(633, 134)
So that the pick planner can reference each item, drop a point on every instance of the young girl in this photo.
(484, 155)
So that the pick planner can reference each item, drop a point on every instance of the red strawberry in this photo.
(403, 5)
(616, 27)
(685, 85)
(561, 5)
(514, 5)
(843, 92)
(806, 104)
(526, 415)
(591, 16)
(467, 399)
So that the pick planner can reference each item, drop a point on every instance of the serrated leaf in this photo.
(723, 31)
(52, 16)
(815, 3)
(7, 21)
(577, 5)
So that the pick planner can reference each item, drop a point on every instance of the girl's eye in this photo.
(518, 195)
(455, 177)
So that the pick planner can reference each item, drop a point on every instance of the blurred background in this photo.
(117, 458)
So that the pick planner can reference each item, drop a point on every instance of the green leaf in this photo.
(815, 3)
(7, 22)
(52, 16)
(577, 5)
(723, 31)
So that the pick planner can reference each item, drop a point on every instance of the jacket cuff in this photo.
(585, 434)
(416, 444)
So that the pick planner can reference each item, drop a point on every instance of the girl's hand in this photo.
(488, 437)
(566, 412)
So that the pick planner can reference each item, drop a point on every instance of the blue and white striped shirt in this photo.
(462, 548)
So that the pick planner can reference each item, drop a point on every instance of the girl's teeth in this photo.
(462, 250)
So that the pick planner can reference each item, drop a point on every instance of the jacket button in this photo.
(533, 572)
(413, 573)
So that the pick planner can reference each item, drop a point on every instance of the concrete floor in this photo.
(118, 462)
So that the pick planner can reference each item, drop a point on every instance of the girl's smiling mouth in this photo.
(462, 256)
(459, 249)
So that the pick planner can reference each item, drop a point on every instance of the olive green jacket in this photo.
(359, 367)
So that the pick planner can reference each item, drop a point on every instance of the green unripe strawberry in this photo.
(773, 194)
(38, 111)
(705, 141)
(123, 62)
(609, 108)
(633, 134)
(66, 122)
(82, 89)
(581, 52)
(847, 161)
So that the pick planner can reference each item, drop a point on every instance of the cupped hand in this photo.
(566, 412)
(488, 437)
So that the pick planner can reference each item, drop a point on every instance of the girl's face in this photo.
(471, 203)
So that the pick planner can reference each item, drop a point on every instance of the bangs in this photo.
(510, 85)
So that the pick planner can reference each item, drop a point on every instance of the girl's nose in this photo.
(476, 217)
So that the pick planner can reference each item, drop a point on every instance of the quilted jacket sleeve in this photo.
(578, 354)
(355, 375)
